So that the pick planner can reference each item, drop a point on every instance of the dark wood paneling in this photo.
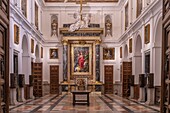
(54, 79)
(37, 73)
(108, 72)
(4, 56)
(126, 73)
(165, 77)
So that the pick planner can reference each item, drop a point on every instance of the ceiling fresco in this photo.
(83, 0)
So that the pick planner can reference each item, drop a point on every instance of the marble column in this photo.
(21, 94)
(65, 60)
(150, 96)
(97, 60)
(141, 94)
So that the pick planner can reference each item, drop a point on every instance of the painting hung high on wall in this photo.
(147, 34)
(81, 59)
(53, 53)
(108, 53)
(16, 34)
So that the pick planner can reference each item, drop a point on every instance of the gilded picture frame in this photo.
(16, 34)
(81, 59)
(32, 45)
(147, 34)
(53, 53)
(108, 53)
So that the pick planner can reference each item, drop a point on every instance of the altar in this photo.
(81, 57)
(93, 87)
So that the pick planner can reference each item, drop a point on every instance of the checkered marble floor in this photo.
(98, 104)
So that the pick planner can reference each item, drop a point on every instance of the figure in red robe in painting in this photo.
(81, 61)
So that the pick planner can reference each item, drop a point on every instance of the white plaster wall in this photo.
(16, 17)
(65, 15)
(47, 61)
(147, 17)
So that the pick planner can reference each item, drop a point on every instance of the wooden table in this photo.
(80, 92)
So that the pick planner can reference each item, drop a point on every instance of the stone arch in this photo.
(25, 45)
(137, 58)
(156, 56)
(25, 58)
(158, 31)
(37, 53)
(138, 44)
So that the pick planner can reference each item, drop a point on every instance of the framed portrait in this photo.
(130, 45)
(54, 53)
(120, 52)
(41, 52)
(32, 45)
(81, 59)
(16, 34)
(147, 34)
(108, 53)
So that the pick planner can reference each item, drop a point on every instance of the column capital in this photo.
(97, 42)
(65, 42)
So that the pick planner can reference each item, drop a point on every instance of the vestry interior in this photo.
(84, 56)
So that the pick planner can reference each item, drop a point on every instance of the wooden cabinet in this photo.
(37, 73)
(165, 80)
(54, 79)
(4, 56)
(126, 73)
(108, 72)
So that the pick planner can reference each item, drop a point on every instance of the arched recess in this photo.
(25, 59)
(125, 52)
(156, 52)
(137, 58)
(37, 54)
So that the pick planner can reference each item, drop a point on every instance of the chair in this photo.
(81, 83)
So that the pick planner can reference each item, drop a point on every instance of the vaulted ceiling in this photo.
(83, 0)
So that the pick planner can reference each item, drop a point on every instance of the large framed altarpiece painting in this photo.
(81, 59)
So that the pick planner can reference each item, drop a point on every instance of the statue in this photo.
(108, 28)
(80, 23)
(54, 28)
(86, 21)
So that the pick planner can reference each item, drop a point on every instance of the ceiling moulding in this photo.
(83, 1)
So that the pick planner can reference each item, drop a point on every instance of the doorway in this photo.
(54, 79)
(108, 72)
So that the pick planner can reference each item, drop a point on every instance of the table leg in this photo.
(88, 99)
(74, 99)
